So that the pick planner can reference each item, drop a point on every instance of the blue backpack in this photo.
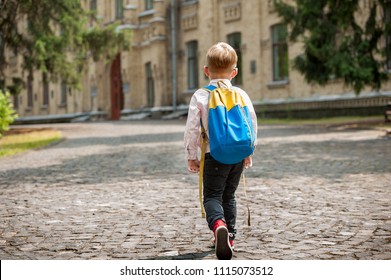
(231, 133)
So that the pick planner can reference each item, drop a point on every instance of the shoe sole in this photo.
(223, 249)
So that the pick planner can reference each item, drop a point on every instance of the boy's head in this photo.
(221, 59)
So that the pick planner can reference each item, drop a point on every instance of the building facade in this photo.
(165, 64)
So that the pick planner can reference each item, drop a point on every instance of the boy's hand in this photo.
(193, 165)
(248, 162)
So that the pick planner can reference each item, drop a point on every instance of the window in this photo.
(14, 47)
(1, 43)
(150, 85)
(192, 64)
(119, 9)
(63, 96)
(94, 94)
(93, 5)
(45, 100)
(387, 19)
(29, 26)
(280, 52)
(30, 91)
(148, 5)
(235, 40)
(16, 101)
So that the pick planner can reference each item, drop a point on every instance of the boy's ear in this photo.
(206, 71)
(234, 73)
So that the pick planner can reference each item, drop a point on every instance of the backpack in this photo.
(231, 133)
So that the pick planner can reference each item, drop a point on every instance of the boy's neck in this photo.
(228, 75)
(220, 77)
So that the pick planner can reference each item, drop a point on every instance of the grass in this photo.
(13, 143)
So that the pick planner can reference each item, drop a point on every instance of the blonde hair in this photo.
(221, 58)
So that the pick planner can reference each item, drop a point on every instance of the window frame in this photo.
(30, 91)
(93, 5)
(148, 5)
(63, 93)
(192, 64)
(280, 58)
(150, 84)
(119, 9)
(45, 90)
(235, 41)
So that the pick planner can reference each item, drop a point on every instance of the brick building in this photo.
(164, 67)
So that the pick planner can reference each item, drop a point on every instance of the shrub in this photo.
(7, 113)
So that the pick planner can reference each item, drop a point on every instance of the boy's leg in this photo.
(229, 200)
(215, 177)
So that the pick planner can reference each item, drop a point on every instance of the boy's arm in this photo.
(193, 165)
(248, 162)
(192, 130)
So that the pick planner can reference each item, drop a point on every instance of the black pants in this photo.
(220, 183)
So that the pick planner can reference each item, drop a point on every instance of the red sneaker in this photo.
(231, 243)
(222, 243)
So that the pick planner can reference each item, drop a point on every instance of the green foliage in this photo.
(340, 40)
(58, 37)
(106, 42)
(7, 113)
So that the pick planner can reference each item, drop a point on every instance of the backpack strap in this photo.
(245, 195)
(210, 88)
(219, 82)
(201, 172)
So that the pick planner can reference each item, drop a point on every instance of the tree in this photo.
(348, 40)
(7, 113)
(55, 39)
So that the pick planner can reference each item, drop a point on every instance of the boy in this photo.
(220, 180)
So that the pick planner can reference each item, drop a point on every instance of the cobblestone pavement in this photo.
(120, 190)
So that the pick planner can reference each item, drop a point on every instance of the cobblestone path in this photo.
(120, 190)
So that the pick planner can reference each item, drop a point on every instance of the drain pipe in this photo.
(173, 56)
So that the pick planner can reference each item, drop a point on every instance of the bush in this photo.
(7, 113)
